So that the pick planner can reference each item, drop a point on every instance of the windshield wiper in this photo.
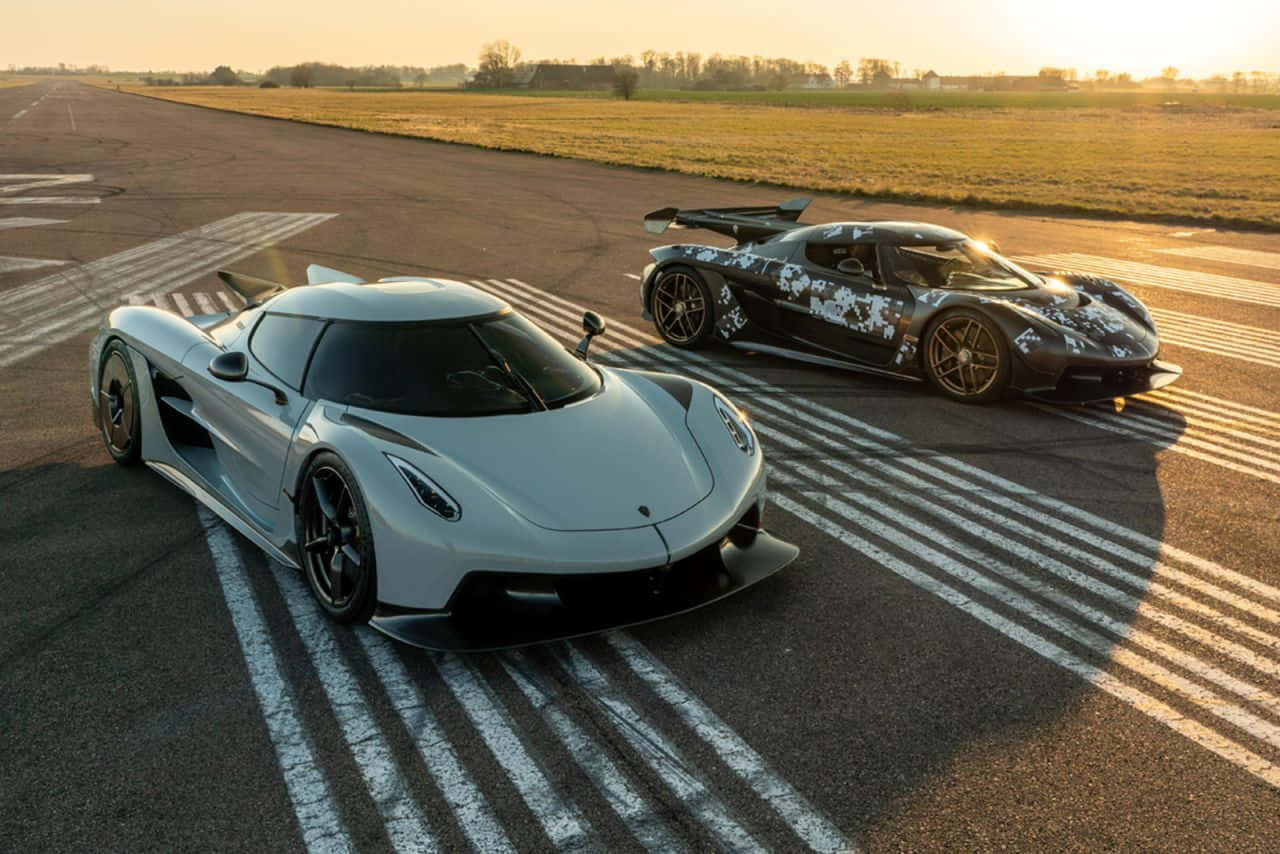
(518, 383)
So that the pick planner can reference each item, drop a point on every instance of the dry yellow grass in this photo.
(1211, 164)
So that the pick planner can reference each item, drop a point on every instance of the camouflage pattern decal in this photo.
(907, 351)
(870, 314)
(729, 316)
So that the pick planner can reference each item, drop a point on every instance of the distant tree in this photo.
(626, 81)
(869, 67)
(224, 76)
(498, 61)
(1169, 74)
(1102, 76)
(421, 78)
(302, 75)
(843, 73)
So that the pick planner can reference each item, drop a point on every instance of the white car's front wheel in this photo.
(337, 541)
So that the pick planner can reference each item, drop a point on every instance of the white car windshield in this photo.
(961, 265)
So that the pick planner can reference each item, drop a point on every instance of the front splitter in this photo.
(690, 584)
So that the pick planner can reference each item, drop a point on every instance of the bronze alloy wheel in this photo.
(333, 545)
(679, 307)
(116, 405)
(964, 357)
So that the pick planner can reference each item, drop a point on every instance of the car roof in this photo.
(901, 233)
(404, 300)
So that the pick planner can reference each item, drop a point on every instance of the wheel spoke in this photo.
(335, 577)
(322, 499)
(352, 556)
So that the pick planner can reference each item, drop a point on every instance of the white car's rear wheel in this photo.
(118, 416)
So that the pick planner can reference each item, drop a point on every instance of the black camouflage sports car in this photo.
(901, 299)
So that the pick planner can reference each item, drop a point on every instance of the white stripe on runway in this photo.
(564, 827)
(460, 792)
(184, 307)
(52, 200)
(647, 827)
(28, 222)
(632, 276)
(9, 264)
(814, 829)
(40, 181)
(659, 754)
(18, 115)
(226, 300)
(1245, 257)
(309, 792)
(205, 304)
(405, 825)
(1150, 275)
(58, 307)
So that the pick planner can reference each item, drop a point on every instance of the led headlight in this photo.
(429, 493)
(735, 422)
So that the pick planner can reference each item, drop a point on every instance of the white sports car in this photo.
(436, 464)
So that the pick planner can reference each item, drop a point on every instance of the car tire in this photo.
(119, 414)
(966, 357)
(682, 308)
(335, 541)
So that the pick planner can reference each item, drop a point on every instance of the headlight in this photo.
(429, 493)
(735, 421)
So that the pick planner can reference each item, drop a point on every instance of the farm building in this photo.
(547, 75)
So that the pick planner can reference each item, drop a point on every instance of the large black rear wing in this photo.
(740, 223)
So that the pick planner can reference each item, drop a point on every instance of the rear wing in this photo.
(749, 223)
(250, 288)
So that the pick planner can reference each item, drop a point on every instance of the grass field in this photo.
(1207, 162)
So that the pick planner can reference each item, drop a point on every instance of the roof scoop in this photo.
(250, 288)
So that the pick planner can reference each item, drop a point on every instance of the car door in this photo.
(250, 429)
(835, 301)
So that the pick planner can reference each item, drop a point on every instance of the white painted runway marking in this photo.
(660, 755)
(52, 200)
(39, 181)
(1244, 257)
(1150, 275)
(184, 307)
(72, 117)
(1049, 526)
(18, 115)
(563, 825)
(227, 301)
(647, 827)
(313, 805)
(467, 802)
(40, 314)
(402, 817)
(13, 265)
(28, 222)
(632, 276)
(205, 304)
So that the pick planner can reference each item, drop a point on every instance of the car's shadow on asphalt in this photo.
(949, 554)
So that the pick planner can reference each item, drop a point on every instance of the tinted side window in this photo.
(283, 344)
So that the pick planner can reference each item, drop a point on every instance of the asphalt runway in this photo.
(1010, 626)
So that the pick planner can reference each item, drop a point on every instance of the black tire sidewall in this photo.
(708, 319)
(361, 606)
(997, 389)
(133, 455)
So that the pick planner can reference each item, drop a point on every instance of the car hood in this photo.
(1089, 323)
(588, 466)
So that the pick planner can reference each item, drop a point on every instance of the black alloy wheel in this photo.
(119, 418)
(337, 543)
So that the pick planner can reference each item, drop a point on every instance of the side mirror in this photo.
(232, 366)
(593, 325)
(852, 267)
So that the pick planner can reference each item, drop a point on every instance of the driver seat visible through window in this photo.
(829, 255)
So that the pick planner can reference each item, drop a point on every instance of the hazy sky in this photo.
(951, 36)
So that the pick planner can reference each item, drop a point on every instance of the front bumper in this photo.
(1090, 384)
(499, 610)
